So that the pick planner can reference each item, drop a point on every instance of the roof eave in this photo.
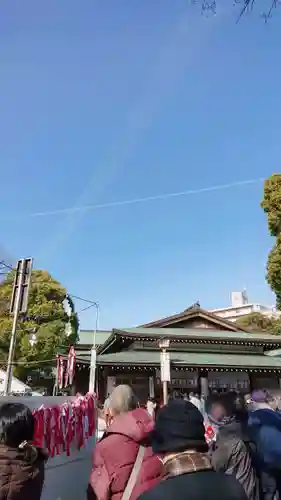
(185, 315)
(189, 339)
(103, 347)
(126, 363)
(215, 367)
(181, 364)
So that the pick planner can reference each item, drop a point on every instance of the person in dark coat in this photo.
(179, 440)
(265, 431)
(22, 465)
(233, 448)
(115, 454)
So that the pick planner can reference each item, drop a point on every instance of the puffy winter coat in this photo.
(265, 431)
(115, 455)
(21, 473)
(233, 456)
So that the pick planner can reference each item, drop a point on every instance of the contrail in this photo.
(134, 201)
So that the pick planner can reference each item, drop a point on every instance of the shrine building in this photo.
(206, 353)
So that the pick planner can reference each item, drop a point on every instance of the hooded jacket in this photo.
(22, 473)
(265, 428)
(233, 456)
(115, 455)
(265, 431)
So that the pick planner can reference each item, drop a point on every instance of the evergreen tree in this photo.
(271, 204)
(43, 330)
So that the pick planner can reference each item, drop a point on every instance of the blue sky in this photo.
(104, 101)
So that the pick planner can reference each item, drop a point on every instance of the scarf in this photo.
(184, 463)
(220, 423)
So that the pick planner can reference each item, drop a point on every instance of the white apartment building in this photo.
(240, 306)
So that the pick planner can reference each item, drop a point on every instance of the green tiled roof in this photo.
(197, 333)
(83, 358)
(83, 352)
(191, 359)
(86, 337)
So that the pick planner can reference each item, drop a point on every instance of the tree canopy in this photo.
(257, 322)
(45, 321)
(271, 204)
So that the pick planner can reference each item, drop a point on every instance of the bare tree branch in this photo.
(246, 6)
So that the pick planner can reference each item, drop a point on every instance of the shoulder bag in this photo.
(134, 474)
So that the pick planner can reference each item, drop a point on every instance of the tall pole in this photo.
(97, 324)
(10, 367)
(165, 384)
(165, 387)
(164, 344)
(165, 393)
(93, 362)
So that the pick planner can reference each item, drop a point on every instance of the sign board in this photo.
(181, 380)
(229, 381)
(21, 286)
(165, 367)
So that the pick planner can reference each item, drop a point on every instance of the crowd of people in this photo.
(230, 450)
(227, 447)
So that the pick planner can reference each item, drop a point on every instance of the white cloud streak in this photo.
(134, 201)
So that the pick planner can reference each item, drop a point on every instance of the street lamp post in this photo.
(164, 344)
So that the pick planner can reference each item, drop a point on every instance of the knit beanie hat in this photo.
(179, 427)
(261, 396)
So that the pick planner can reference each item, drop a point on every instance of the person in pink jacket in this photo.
(116, 453)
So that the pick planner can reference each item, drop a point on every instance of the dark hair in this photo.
(212, 400)
(234, 405)
(16, 424)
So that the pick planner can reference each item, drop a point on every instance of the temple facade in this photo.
(206, 353)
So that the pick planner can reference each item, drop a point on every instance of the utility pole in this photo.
(18, 306)
(93, 362)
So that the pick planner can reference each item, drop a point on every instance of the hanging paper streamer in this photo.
(60, 370)
(67, 426)
(39, 427)
(70, 370)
